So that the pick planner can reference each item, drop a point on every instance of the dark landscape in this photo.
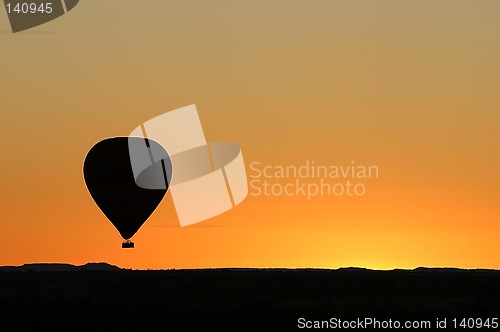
(102, 297)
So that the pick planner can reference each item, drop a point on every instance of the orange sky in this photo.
(411, 87)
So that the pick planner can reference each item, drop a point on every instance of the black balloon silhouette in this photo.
(110, 180)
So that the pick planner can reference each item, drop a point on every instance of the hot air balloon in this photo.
(127, 177)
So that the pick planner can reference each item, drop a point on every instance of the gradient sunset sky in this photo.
(409, 86)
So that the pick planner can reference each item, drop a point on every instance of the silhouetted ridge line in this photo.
(59, 267)
(62, 267)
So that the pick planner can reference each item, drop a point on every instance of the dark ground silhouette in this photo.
(104, 298)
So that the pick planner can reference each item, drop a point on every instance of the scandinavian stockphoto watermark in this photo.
(27, 14)
(311, 179)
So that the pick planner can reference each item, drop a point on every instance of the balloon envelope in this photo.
(110, 180)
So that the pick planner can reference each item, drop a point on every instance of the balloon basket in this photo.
(127, 244)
